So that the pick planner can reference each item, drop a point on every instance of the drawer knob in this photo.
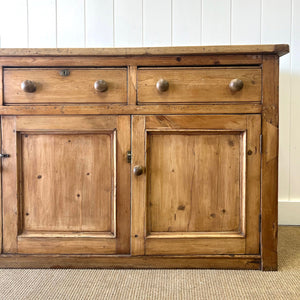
(236, 85)
(28, 86)
(101, 86)
(138, 170)
(162, 85)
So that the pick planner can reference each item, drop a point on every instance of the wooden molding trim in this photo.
(279, 49)
(135, 262)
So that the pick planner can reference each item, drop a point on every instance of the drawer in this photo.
(58, 85)
(196, 85)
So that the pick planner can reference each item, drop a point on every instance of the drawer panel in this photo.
(74, 85)
(196, 85)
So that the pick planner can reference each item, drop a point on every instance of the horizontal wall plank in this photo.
(42, 23)
(128, 23)
(186, 22)
(245, 26)
(99, 19)
(70, 23)
(13, 23)
(215, 22)
(156, 23)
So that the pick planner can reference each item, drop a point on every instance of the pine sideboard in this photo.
(140, 157)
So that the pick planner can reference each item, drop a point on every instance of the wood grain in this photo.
(135, 262)
(224, 122)
(198, 192)
(123, 185)
(269, 193)
(138, 187)
(186, 246)
(78, 87)
(1, 85)
(65, 123)
(10, 194)
(124, 61)
(279, 49)
(85, 200)
(129, 109)
(132, 85)
(1, 210)
(65, 245)
(198, 85)
(253, 167)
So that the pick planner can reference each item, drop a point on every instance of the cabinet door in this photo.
(199, 192)
(66, 184)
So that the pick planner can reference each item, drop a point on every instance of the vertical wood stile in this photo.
(138, 187)
(269, 185)
(9, 182)
(1, 219)
(253, 179)
(1, 85)
(123, 185)
(132, 85)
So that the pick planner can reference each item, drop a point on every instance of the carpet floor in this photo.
(162, 284)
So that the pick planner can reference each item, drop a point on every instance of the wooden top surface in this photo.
(279, 49)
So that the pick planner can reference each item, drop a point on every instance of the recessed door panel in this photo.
(64, 186)
(195, 182)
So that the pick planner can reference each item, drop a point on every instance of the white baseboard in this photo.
(289, 212)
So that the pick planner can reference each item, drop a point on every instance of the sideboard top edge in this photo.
(279, 49)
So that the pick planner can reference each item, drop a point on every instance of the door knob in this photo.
(101, 86)
(162, 85)
(138, 170)
(28, 86)
(236, 85)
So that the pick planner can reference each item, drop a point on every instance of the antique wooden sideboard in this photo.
(140, 157)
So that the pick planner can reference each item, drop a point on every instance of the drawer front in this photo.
(196, 85)
(64, 85)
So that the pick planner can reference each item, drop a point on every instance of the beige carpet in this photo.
(162, 284)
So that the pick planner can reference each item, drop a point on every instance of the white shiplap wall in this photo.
(135, 23)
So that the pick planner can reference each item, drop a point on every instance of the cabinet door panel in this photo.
(72, 185)
(65, 190)
(184, 170)
(201, 185)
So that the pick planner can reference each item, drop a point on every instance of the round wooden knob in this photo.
(28, 86)
(138, 170)
(162, 85)
(236, 85)
(101, 86)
